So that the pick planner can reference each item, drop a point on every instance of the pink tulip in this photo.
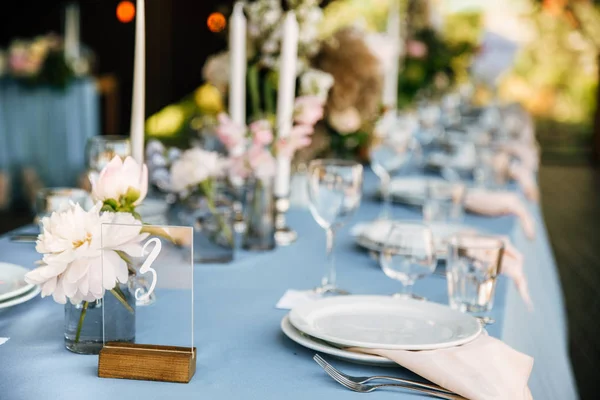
(262, 132)
(120, 180)
(230, 133)
(308, 110)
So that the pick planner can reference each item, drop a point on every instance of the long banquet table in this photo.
(242, 352)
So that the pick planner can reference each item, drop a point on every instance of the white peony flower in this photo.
(194, 167)
(124, 182)
(80, 259)
(317, 83)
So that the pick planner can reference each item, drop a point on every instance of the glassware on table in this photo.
(388, 155)
(408, 254)
(101, 149)
(334, 193)
(472, 267)
(49, 200)
(260, 215)
(491, 168)
(444, 201)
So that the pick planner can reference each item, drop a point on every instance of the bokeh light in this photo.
(125, 11)
(216, 22)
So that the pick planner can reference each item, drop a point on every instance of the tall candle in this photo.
(390, 83)
(139, 85)
(71, 33)
(237, 54)
(286, 95)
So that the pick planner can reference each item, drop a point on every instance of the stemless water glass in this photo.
(408, 254)
(472, 267)
(334, 193)
(388, 155)
(49, 200)
(101, 149)
(444, 201)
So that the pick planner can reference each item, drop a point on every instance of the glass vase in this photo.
(83, 322)
(260, 216)
(213, 223)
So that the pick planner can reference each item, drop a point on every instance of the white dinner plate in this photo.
(372, 236)
(12, 281)
(410, 190)
(21, 299)
(383, 322)
(323, 347)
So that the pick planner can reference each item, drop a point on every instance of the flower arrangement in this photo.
(41, 61)
(81, 259)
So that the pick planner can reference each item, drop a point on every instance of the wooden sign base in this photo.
(147, 362)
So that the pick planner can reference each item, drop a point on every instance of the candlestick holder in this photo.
(284, 235)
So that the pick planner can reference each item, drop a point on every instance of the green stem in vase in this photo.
(208, 192)
(118, 293)
(80, 323)
(254, 90)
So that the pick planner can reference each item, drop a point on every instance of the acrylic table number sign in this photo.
(154, 341)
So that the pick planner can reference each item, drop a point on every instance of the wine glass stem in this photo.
(407, 288)
(328, 280)
(385, 195)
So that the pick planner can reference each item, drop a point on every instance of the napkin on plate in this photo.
(484, 369)
(512, 266)
(495, 203)
(527, 154)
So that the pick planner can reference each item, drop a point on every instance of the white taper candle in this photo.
(237, 54)
(139, 85)
(390, 83)
(71, 33)
(286, 95)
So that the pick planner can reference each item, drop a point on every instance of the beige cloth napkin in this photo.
(495, 203)
(484, 369)
(525, 177)
(512, 266)
(527, 153)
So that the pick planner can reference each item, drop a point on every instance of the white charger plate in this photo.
(323, 347)
(372, 236)
(12, 281)
(383, 322)
(21, 299)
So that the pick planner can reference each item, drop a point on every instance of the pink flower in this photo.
(230, 133)
(261, 162)
(239, 168)
(416, 49)
(298, 139)
(122, 181)
(308, 110)
(262, 132)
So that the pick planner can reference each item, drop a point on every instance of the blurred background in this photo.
(541, 53)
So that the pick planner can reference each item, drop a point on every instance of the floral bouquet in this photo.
(80, 261)
(41, 61)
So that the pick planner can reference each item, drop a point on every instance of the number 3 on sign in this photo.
(147, 267)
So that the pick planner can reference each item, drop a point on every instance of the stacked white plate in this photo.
(372, 235)
(13, 288)
(331, 325)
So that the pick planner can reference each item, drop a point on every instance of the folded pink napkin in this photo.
(525, 177)
(527, 153)
(484, 369)
(512, 266)
(495, 203)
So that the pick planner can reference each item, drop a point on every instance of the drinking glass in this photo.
(334, 193)
(471, 269)
(101, 149)
(49, 200)
(388, 155)
(408, 254)
(444, 201)
(491, 168)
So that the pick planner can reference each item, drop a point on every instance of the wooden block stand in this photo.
(147, 362)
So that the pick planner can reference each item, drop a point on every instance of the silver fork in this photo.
(356, 383)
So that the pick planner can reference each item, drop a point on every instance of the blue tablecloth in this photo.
(242, 353)
(47, 129)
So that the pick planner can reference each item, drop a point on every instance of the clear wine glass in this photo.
(388, 154)
(408, 254)
(334, 193)
(101, 149)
